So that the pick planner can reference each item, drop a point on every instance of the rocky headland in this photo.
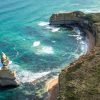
(81, 79)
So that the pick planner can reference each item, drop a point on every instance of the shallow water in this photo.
(35, 48)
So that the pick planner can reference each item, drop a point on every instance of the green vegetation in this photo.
(81, 82)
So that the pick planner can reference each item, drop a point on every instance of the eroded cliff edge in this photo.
(81, 79)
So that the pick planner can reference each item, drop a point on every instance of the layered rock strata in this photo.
(7, 77)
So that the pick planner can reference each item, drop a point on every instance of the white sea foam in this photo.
(36, 43)
(43, 23)
(47, 26)
(76, 29)
(55, 29)
(25, 76)
(79, 38)
(10, 62)
(73, 35)
(91, 10)
(41, 50)
(84, 46)
(47, 49)
(0, 65)
(62, 11)
(82, 42)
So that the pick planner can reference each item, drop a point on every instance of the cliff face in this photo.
(81, 79)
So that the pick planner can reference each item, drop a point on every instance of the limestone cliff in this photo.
(7, 77)
(81, 79)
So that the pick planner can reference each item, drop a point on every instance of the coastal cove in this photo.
(50, 57)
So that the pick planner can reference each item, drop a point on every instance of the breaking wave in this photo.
(47, 26)
(39, 48)
(36, 43)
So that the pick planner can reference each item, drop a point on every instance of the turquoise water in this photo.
(36, 49)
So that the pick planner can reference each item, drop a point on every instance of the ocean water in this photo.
(38, 51)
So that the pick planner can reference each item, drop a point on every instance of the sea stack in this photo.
(7, 77)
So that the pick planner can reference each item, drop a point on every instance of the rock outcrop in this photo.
(81, 79)
(66, 18)
(7, 77)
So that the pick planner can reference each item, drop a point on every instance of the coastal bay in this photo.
(37, 50)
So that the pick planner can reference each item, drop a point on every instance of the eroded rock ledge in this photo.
(81, 79)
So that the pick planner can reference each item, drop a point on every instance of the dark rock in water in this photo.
(81, 79)
(7, 77)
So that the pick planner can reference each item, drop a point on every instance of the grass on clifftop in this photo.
(82, 82)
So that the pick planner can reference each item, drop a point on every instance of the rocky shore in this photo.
(81, 79)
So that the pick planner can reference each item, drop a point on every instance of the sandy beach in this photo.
(52, 89)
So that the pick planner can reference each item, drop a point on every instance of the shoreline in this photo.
(52, 84)
(90, 39)
(52, 89)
